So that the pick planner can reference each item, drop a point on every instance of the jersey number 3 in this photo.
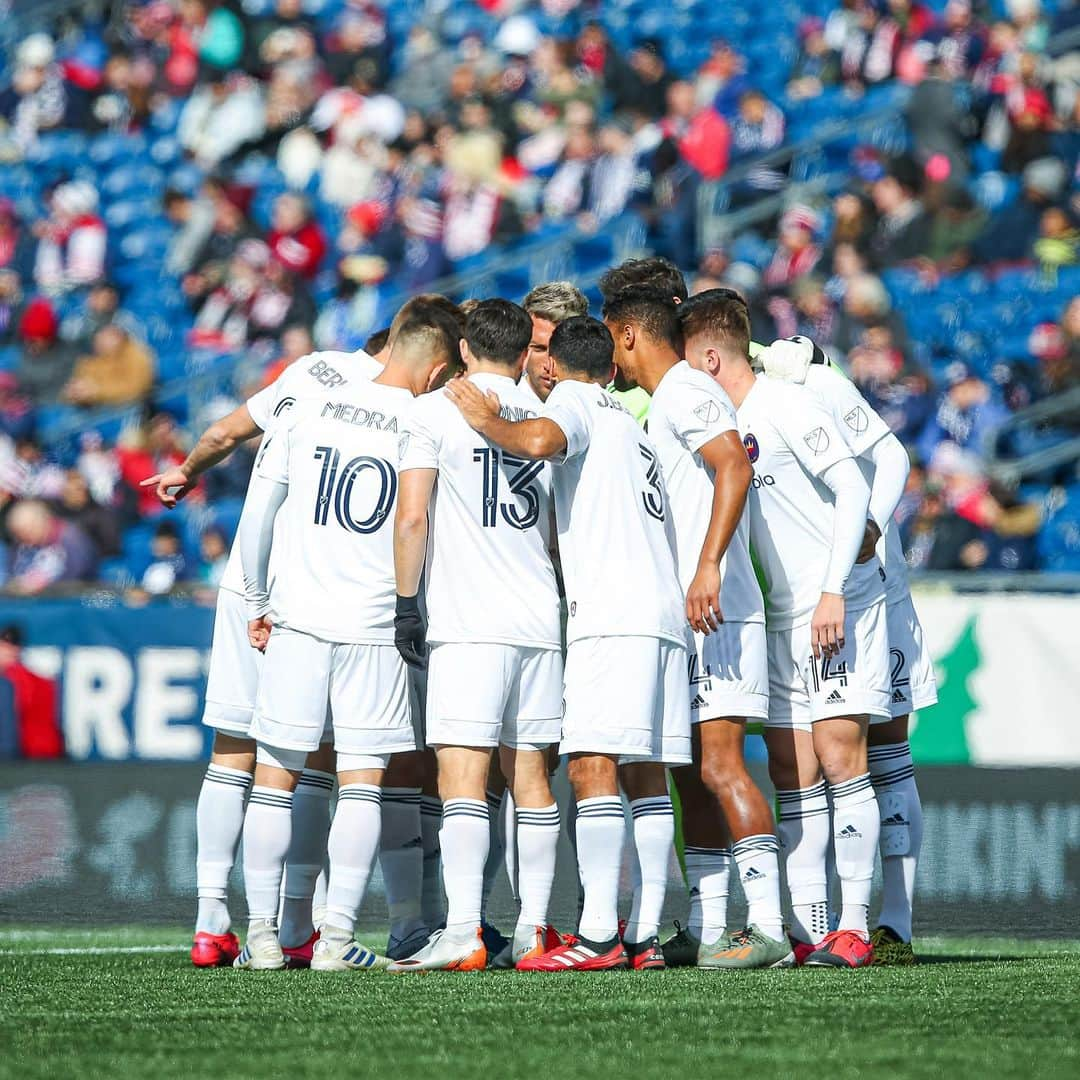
(521, 481)
(336, 485)
(653, 498)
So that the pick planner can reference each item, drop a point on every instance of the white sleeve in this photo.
(891, 468)
(272, 462)
(852, 496)
(254, 538)
(420, 441)
(265, 404)
(568, 407)
(700, 412)
(857, 421)
(809, 430)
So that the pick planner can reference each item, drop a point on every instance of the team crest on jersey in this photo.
(817, 440)
(402, 444)
(753, 451)
(857, 420)
(708, 412)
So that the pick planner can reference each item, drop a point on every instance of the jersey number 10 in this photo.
(336, 485)
(521, 482)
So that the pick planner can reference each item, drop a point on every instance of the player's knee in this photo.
(842, 760)
(592, 775)
(405, 770)
(722, 772)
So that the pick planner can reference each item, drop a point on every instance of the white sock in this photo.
(510, 849)
(708, 871)
(307, 850)
(432, 898)
(219, 820)
(353, 844)
(654, 840)
(494, 864)
(601, 827)
(758, 859)
(537, 843)
(464, 841)
(803, 829)
(893, 776)
(401, 857)
(318, 897)
(856, 828)
(267, 829)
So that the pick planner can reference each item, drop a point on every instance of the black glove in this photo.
(410, 632)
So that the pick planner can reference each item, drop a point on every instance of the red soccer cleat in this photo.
(578, 955)
(801, 949)
(214, 950)
(842, 948)
(300, 956)
(646, 955)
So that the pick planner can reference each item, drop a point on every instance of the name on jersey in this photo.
(607, 402)
(516, 413)
(360, 417)
(325, 374)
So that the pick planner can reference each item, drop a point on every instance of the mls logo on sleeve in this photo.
(753, 451)
(817, 440)
(708, 412)
(857, 420)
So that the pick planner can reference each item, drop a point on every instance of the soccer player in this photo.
(707, 474)
(547, 305)
(885, 464)
(825, 620)
(233, 674)
(627, 709)
(325, 511)
(495, 671)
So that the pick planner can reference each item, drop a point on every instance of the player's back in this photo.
(615, 542)
(334, 537)
(489, 576)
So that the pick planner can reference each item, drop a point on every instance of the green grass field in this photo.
(981, 1008)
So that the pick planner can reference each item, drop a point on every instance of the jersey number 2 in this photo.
(336, 484)
(521, 483)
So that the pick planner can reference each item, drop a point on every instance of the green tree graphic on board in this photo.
(940, 737)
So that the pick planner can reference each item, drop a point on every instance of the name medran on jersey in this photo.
(354, 414)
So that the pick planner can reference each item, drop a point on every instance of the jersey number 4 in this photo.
(522, 483)
(336, 486)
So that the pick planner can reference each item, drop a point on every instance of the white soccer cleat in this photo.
(443, 953)
(262, 950)
(344, 954)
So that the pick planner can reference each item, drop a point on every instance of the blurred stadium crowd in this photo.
(186, 183)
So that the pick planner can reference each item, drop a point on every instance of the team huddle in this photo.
(512, 534)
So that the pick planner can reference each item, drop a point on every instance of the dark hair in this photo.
(377, 342)
(424, 333)
(584, 344)
(652, 310)
(12, 634)
(658, 272)
(498, 331)
(723, 318)
(424, 304)
(166, 530)
(722, 292)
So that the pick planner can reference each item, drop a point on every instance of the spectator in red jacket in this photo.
(703, 135)
(37, 718)
(295, 240)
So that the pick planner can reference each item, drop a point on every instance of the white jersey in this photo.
(791, 440)
(618, 556)
(489, 575)
(333, 541)
(527, 389)
(312, 376)
(862, 429)
(689, 410)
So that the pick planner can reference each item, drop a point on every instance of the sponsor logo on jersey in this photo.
(857, 420)
(708, 412)
(817, 440)
(753, 451)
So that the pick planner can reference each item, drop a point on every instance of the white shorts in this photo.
(233, 679)
(627, 696)
(803, 690)
(914, 685)
(729, 673)
(315, 691)
(489, 694)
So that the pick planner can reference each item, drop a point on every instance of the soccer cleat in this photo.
(399, 948)
(214, 950)
(299, 956)
(645, 955)
(336, 954)
(577, 954)
(801, 950)
(544, 939)
(443, 953)
(751, 948)
(842, 948)
(890, 950)
(681, 949)
(262, 950)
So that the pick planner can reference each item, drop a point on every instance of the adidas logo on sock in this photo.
(698, 702)
(898, 696)
(835, 696)
(752, 874)
(695, 891)
(849, 832)
(415, 842)
(896, 819)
